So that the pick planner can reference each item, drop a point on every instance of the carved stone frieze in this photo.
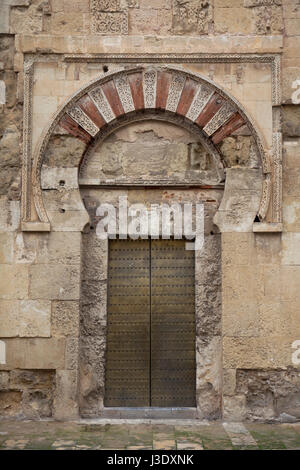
(149, 88)
(124, 93)
(105, 22)
(219, 118)
(83, 120)
(102, 104)
(175, 91)
(201, 98)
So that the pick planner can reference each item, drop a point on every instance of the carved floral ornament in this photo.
(196, 102)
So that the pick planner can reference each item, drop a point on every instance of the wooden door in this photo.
(150, 359)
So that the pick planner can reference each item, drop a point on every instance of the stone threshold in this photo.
(147, 413)
(170, 422)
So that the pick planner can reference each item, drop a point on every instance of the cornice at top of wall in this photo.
(91, 44)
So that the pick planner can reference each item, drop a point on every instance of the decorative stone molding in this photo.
(96, 110)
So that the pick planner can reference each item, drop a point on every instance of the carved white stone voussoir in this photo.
(149, 88)
(83, 120)
(201, 98)
(222, 116)
(176, 87)
(124, 93)
(101, 102)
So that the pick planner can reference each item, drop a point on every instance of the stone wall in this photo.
(47, 280)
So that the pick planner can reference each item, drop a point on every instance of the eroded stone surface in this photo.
(64, 151)
(269, 393)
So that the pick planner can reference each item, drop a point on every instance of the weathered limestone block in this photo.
(31, 379)
(269, 393)
(4, 381)
(276, 321)
(82, 6)
(34, 353)
(289, 280)
(37, 387)
(268, 19)
(208, 309)
(291, 214)
(290, 78)
(25, 247)
(10, 79)
(5, 13)
(94, 259)
(192, 17)
(240, 319)
(9, 318)
(262, 352)
(25, 318)
(291, 120)
(68, 221)
(64, 200)
(59, 248)
(72, 352)
(229, 382)
(251, 283)
(10, 404)
(290, 311)
(106, 5)
(93, 306)
(14, 281)
(248, 17)
(270, 286)
(6, 247)
(72, 21)
(37, 404)
(54, 282)
(241, 200)
(231, 17)
(291, 154)
(240, 151)
(266, 249)
(34, 318)
(92, 369)
(10, 162)
(234, 408)
(28, 20)
(63, 151)
(236, 248)
(208, 380)
(208, 295)
(65, 401)
(58, 178)
(65, 319)
(291, 248)
(150, 21)
(6, 49)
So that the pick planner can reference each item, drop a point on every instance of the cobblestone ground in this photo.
(49, 435)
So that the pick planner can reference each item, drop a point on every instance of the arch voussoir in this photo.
(163, 91)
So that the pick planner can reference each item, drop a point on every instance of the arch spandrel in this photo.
(191, 100)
